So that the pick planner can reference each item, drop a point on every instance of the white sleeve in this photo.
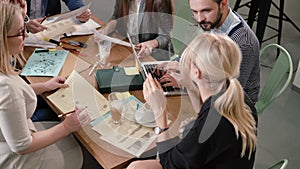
(13, 120)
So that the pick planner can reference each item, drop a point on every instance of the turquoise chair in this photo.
(280, 164)
(272, 89)
(184, 27)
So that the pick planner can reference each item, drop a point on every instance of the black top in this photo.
(209, 142)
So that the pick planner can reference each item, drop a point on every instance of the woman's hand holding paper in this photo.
(54, 83)
(85, 16)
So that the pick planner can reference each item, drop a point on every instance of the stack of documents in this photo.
(63, 25)
(129, 136)
(32, 40)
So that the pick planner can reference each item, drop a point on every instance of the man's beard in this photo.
(212, 25)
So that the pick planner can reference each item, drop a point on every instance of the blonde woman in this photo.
(224, 133)
(25, 144)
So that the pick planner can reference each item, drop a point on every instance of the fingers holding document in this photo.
(85, 16)
(147, 47)
(35, 26)
(55, 83)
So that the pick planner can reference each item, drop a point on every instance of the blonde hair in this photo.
(8, 12)
(218, 58)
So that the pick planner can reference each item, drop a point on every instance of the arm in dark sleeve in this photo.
(192, 153)
(250, 54)
(165, 25)
(115, 15)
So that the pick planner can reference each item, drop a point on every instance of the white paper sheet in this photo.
(67, 15)
(129, 136)
(57, 29)
(98, 35)
(32, 40)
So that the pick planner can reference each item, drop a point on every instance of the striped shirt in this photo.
(237, 29)
(249, 45)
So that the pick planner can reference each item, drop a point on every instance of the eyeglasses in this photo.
(22, 33)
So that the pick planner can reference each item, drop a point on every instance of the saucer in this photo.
(144, 122)
(129, 115)
(151, 124)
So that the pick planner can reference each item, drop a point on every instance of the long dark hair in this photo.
(162, 6)
(151, 6)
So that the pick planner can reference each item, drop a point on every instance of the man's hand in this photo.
(169, 73)
(170, 79)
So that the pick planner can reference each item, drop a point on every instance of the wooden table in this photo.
(101, 150)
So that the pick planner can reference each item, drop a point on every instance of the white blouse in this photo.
(17, 104)
(132, 24)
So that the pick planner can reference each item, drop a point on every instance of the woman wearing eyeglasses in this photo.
(24, 144)
(34, 25)
(223, 135)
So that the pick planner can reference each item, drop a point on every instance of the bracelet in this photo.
(26, 19)
(158, 130)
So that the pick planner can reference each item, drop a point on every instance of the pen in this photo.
(43, 19)
(93, 68)
(75, 50)
(53, 41)
(45, 50)
(66, 114)
(74, 43)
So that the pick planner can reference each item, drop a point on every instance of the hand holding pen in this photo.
(35, 26)
(75, 119)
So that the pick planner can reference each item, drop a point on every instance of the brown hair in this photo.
(162, 6)
(151, 6)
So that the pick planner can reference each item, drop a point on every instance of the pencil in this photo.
(65, 114)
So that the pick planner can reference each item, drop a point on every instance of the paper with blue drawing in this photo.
(46, 63)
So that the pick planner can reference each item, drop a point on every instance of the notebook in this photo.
(116, 80)
(147, 67)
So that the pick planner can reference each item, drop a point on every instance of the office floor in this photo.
(279, 127)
